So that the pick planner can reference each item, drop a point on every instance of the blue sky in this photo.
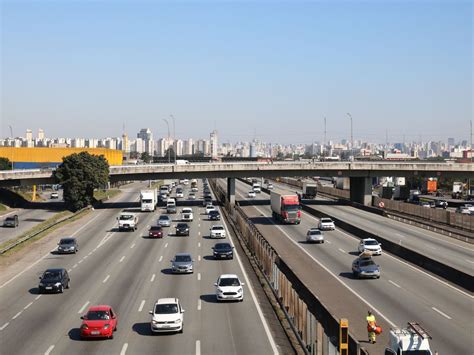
(267, 69)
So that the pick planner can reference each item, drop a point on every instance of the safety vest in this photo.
(371, 323)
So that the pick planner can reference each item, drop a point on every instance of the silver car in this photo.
(164, 221)
(182, 263)
(314, 235)
(365, 267)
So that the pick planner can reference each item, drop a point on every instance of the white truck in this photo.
(309, 189)
(127, 221)
(410, 340)
(148, 199)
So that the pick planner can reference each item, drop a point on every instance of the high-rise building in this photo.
(450, 142)
(40, 134)
(213, 147)
(178, 147)
(125, 143)
(188, 147)
(147, 137)
(29, 135)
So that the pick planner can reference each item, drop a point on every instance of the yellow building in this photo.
(33, 158)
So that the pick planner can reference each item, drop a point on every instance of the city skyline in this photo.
(270, 71)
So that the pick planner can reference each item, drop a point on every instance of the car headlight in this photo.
(178, 321)
(239, 290)
(107, 326)
(41, 284)
(84, 326)
(219, 290)
(154, 322)
(57, 284)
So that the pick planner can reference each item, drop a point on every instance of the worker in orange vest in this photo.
(371, 325)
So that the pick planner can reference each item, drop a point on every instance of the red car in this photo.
(99, 322)
(155, 232)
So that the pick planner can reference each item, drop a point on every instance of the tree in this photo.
(169, 153)
(147, 158)
(80, 174)
(5, 164)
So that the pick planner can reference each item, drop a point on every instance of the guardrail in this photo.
(315, 327)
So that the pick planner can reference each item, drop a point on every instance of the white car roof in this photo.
(368, 240)
(228, 276)
(220, 226)
(187, 209)
(167, 300)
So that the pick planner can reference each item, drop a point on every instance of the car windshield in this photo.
(314, 232)
(67, 241)
(182, 225)
(155, 228)
(10, 218)
(217, 228)
(182, 258)
(52, 275)
(146, 200)
(164, 218)
(166, 308)
(371, 242)
(126, 217)
(98, 315)
(222, 246)
(187, 210)
(416, 352)
(213, 212)
(366, 263)
(291, 208)
(229, 282)
(326, 220)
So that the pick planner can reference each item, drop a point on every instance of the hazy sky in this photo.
(267, 69)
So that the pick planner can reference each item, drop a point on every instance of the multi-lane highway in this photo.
(130, 272)
(403, 293)
(449, 251)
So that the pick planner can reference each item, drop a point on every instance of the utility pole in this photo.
(352, 136)
(168, 125)
(174, 138)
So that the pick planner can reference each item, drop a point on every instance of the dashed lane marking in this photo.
(132, 246)
(166, 245)
(106, 278)
(199, 257)
(121, 259)
(442, 313)
(160, 259)
(141, 306)
(17, 315)
(199, 305)
(49, 350)
(37, 297)
(124, 349)
(198, 347)
(4, 326)
(342, 250)
(83, 307)
(28, 305)
(152, 278)
(394, 284)
(199, 276)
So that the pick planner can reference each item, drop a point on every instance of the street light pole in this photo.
(174, 138)
(168, 125)
(352, 136)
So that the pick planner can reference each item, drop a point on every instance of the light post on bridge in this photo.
(168, 125)
(174, 138)
(352, 137)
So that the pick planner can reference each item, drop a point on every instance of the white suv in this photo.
(217, 231)
(167, 316)
(371, 245)
(209, 208)
(187, 214)
(229, 288)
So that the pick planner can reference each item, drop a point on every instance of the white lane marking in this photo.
(17, 315)
(152, 278)
(28, 305)
(199, 225)
(160, 259)
(49, 350)
(69, 270)
(342, 250)
(199, 233)
(83, 307)
(141, 306)
(4, 326)
(89, 253)
(166, 245)
(199, 305)
(37, 297)
(407, 264)
(257, 305)
(371, 306)
(132, 246)
(80, 261)
(121, 259)
(124, 349)
(442, 313)
(394, 284)
(198, 347)
(199, 244)
(85, 257)
(44, 256)
(400, 235)
(469, 261)
(199, 257)
(106, 278)
(75, 265)
(199, 276)
(327, 241)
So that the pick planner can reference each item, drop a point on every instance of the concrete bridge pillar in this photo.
(361, 190)
(231, 190)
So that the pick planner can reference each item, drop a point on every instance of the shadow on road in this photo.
(34, 291)
(209, 258)
(266, 221)
(126, 206)
(75, 334)
(142, 328)
(348, 275)
(210, 298)
(254, 202)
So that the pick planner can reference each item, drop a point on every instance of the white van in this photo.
(256, 188)
(171, 202)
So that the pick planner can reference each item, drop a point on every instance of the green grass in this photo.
(100, 195)
(27, 195)
(156, 184)
(3, 208)
(39, 227)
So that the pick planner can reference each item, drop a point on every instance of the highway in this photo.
(28, 218)
(403, 293)
(449, 251)
(130, 272)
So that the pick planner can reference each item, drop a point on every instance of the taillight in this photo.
(285, 214)
(299, 214)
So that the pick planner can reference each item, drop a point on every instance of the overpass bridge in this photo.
(360, 173)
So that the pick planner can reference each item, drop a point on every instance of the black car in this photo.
(68, 245)
(441, 204)
(54, 280)
(223, 251)
(214, 215)
(207, 200)
(11, 221)
(182, 229)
